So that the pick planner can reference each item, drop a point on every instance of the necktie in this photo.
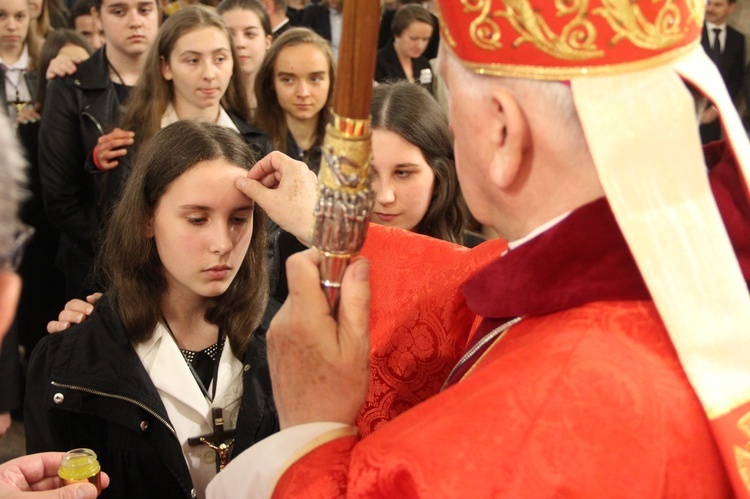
(716, 46)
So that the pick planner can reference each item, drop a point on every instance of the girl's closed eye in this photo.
(196, 219)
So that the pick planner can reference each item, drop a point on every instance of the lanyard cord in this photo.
(192, 369)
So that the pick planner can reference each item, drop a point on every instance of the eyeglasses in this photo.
(10, 261)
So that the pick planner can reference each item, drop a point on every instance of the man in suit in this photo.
(726, 47)
(325, 19)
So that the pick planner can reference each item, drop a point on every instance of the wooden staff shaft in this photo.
(357, 52)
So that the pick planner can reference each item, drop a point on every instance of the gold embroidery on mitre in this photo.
(578, 38)
(628, 21)
(445, 32)
(484, 32)
(742, 455)
(576, 41)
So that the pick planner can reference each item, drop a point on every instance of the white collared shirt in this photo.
(336, 19)
(170, 116)
(188, 409)
(539, 230)
(281, 25)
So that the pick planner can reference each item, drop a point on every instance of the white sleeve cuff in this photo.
(254, 473)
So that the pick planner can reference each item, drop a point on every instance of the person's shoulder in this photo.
(314, 9)
(99, 319)
(624, 336)
(93, 72)
(735, 32)
(252, 135)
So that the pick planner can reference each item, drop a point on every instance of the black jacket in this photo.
(78, 110)
(253, 136)
(88, 388)
(731, 64)
(318, 19)
(388, 68)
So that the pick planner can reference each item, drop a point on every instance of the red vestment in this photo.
(585, 397)
(418, 332)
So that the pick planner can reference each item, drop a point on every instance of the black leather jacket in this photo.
(88, 388)
(78, 109)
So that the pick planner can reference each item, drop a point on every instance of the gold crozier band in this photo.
(344, 201)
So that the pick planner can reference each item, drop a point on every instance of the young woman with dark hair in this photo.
(414, 172)
(251, 31)
(189, 73)
(170, 354)
(403, 57)
(294, 87)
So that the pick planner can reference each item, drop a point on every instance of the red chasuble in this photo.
(419, 323)
(585, 397)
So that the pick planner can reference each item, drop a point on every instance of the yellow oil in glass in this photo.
(80, 465)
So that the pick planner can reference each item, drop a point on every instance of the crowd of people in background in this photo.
(113, 73)
(94, 89)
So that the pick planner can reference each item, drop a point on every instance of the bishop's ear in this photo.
(510, 136)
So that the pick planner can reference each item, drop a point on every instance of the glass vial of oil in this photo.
(80, 465)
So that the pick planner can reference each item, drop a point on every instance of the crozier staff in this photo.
(344, 196)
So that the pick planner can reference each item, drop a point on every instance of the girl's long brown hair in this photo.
(151, 96)
(129, 259)
(409, 111)
(269, 115)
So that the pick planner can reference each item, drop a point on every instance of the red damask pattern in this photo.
(589, 402)
(419, 322)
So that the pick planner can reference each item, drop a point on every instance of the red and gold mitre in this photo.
(564, 39)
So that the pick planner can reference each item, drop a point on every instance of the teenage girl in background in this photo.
(251, 31)
(294, 88)
(413, 169)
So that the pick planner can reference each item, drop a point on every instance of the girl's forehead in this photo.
(212, 178)
(14, 5)
(239, 15)
(303, 51)
(306, 58)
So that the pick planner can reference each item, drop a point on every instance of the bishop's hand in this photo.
(320, 366)
(286, 190)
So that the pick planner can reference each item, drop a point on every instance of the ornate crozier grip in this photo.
(344, 200)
